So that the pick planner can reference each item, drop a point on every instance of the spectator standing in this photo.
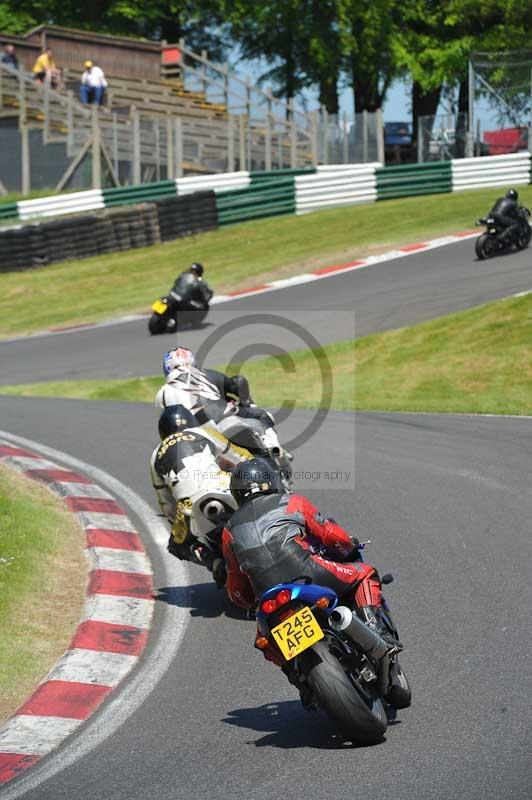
(8, 57)
(45, 70)
(93, 84)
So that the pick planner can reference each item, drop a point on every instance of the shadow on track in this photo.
(287, 724)
(203, 600)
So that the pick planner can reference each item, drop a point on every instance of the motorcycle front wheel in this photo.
(485, 246)
(157, 324)
(358, 715)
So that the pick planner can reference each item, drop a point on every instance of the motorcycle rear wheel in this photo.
(523, 239)
(157, 324)
(358, 716)
(485, 246)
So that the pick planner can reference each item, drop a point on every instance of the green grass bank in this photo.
(477, 361)
(239, 256)
(42, 584)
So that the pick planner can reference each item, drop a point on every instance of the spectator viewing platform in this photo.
(160, 111)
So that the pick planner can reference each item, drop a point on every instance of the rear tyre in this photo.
(485, 246)
(523, 239)
(156, 324)
(358, 716)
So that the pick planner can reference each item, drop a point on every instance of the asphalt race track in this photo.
(383, 296)
(446, 501)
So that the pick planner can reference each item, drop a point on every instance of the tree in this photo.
(274, 32)
(199, 21)
(367, 32)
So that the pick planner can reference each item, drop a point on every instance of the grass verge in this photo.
(475, 361)
(235, 257)
(42, 584)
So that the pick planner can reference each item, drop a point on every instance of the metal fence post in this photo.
(136, 172)
(242, 142)
(230, 143)
(364, 136)
(46, 131)
(116, 162)
(70, 123)
(471, 110)
(379, 130)
(293, 135)
(96, 150)
(530, 126)
(345, 139)
(157, 135)
(178, 129)
(420, 156)
(325, 123)
(268, 143)
(170, 166)
(314, 137)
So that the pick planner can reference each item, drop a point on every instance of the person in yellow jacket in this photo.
(45, 68)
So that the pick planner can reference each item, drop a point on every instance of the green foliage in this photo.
(196, 20)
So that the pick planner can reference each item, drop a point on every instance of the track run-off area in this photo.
(446, 502)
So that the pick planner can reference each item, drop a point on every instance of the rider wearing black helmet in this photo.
(506, 212)
(202, 293)
(187, 466)
(196, 269)
(273, 536)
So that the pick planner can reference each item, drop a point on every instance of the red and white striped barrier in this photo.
(112, 632)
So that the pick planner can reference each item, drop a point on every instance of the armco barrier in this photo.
(334, 188)
(504, 170)
(8, 210)
(216, 183)
(60, 204)
(143, 193)
(408, 180)
(264, 200)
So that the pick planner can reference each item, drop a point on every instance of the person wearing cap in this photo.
(93, 84)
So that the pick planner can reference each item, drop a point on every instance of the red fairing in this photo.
(335, 538)
(238, 586)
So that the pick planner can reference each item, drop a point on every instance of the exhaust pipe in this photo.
(343, 619)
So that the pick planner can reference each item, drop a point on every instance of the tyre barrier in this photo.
(186, 215)
(38, 244)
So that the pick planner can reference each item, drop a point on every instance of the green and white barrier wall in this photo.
(246, 195)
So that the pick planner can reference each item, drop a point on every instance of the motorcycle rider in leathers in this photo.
(505, 211)
(273, 537)
(212, 395)
(189, 466)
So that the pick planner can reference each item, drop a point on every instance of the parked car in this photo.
(397, 133)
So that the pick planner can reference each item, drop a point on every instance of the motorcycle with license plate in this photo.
(185, 305)
(338, 660)
(494, 241)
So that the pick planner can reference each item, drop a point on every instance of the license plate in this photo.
(297, 633)
(159, 307)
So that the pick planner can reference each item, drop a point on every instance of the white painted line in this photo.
(118, 610)
(97, 519)
(44, 733)
(118, 560)
(23, 463)
(74, 489)
(92, 666)
(156, 660)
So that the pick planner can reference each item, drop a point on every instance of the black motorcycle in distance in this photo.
(186, 305)
(493, 240)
